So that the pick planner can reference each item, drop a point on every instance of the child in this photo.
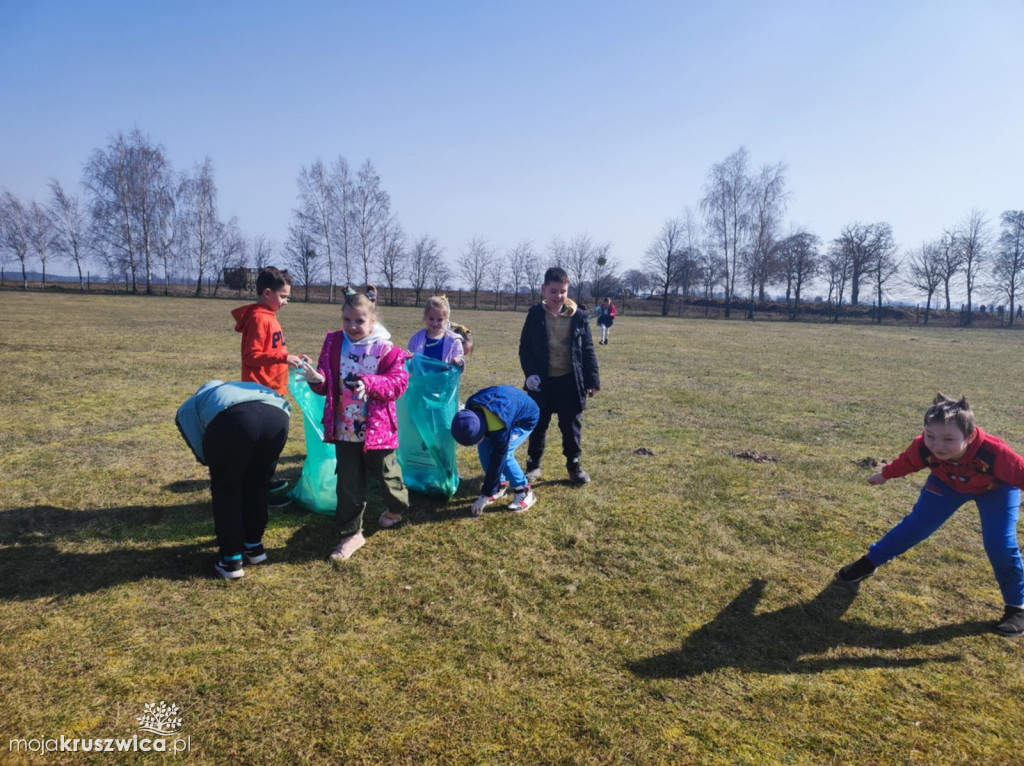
(361, 374)
(436, 341)
(966, 464)
(371, 293)
(466, 335)
(498, 419)
(556, 352)
(265, 357)
(605, 318)
(238, 430)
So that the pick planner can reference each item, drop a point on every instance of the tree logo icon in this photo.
(160, 719)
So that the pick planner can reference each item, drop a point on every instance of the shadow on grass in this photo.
(778, 642)
(38, 556)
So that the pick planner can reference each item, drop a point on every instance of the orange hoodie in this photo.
(264, 351)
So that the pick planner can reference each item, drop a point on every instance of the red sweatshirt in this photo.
(987, 462)
(264, 352)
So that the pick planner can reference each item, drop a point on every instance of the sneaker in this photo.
(524, 499)
(532, 470)
(386, 522)
(860, 569)
(502, 491)
(577, 475)
(230, 568)
(278, 486)
(348, 546)
(254, 554)
(1012, 623)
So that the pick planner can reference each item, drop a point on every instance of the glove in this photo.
(479, 504)
(533, 383)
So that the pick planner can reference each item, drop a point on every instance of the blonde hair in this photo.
(945, 409)
(438, 302)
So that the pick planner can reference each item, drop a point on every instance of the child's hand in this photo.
(296, 361)
(876, 478)
(533, 383)
(310, 373)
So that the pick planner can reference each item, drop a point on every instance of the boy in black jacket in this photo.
(556, 352)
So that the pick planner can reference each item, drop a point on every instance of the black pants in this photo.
(561, 398)
(242, 446)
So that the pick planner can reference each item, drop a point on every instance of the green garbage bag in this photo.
(317, 487)
(426, 449)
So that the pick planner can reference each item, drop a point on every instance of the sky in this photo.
(525, 120)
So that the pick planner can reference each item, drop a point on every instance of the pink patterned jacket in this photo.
(382, 390)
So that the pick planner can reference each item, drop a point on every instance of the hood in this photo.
(568, 308)
(242, 314)
(377, 335)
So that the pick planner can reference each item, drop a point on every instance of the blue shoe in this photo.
(229, 567)
(254, 554)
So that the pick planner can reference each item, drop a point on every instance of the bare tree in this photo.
(261, 249)
(604, 279)
(230, 250)
(422, 260)
(520, 259)
(1008, 264)
(580, 257)
(856, 240)
(533, 271)
(371, 208)
(70, 228)
(496, 278)
(799, 263)
(15, 232)
(767, 200)
(440, 274)
(344, 195)
(971, 238)
(635, 281)
(474, 265)
(925, 269)
(726, 210)
(662, 260)
(392, 256)
(198, 223)
(318, 211)
(884, 264)
(951, 263)
(302, 258)
(40, 229)
(837, 271)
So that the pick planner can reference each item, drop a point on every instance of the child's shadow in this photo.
(788, 640)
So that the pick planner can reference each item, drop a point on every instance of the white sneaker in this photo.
(524, 499)
(348, 546)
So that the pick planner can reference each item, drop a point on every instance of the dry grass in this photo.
(677, 610)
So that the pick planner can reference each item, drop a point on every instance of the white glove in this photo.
(479, 504)
(533, 383)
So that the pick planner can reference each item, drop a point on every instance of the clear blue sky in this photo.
(525, 120)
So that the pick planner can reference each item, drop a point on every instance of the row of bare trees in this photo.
(738, 245)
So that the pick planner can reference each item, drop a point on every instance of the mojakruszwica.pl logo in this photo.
(161, 720)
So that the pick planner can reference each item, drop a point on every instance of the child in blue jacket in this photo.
(498, 419)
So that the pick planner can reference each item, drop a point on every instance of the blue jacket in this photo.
(212, 398)
(516, 410)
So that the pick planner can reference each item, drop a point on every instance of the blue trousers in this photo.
(997, 508)
(510, 470)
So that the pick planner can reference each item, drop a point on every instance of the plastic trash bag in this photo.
(317, 487)
(426, 449)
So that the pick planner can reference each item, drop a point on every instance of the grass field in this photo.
(679, 609)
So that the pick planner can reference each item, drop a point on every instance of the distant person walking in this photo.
(966, 464)
(605, 318)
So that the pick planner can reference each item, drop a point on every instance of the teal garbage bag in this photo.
(317, 487)
(426, 449)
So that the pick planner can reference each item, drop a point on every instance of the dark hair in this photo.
(273, 278)
(556, 274)
(945, 409)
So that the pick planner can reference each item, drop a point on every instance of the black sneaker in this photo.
(1012, 623)
(577, 475)
(532, 470)
(230, 567)
(857, 571)
(254, 554)
(280, 485)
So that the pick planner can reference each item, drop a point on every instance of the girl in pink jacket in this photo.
(361, 373)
